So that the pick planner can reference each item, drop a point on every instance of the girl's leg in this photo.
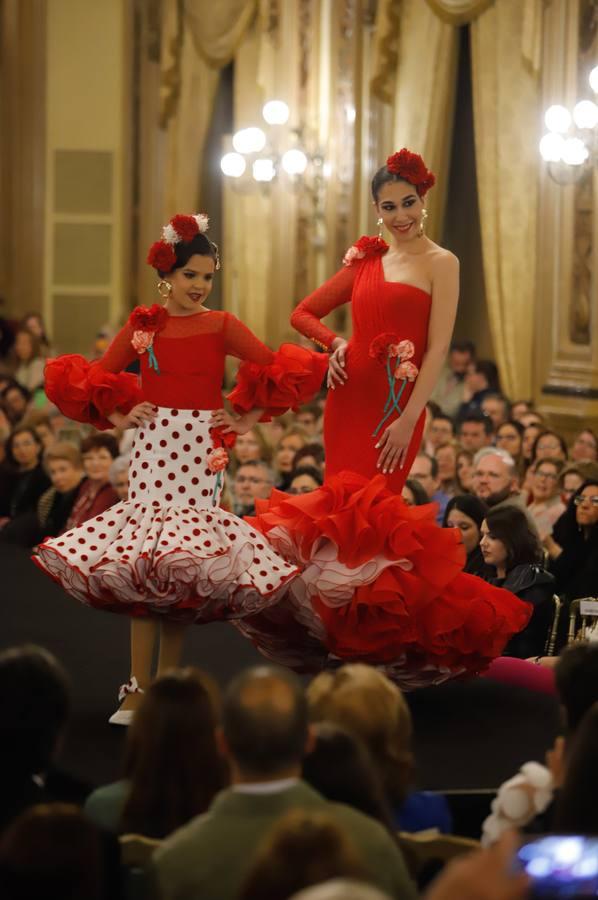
(172, 635)
(143, 638)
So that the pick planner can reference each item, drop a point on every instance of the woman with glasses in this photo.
(585, 446)
(573, 546)
(509, 437)
(545, 505)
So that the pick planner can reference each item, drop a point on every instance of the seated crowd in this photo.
(273, 788)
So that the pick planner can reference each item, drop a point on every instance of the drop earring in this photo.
(164, 289)
(422, 224)
(379, 224)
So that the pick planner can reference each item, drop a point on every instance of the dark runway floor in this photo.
(468, 736)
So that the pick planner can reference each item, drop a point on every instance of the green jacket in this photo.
(209, 858)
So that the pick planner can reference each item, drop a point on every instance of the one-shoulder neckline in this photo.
(401, 283)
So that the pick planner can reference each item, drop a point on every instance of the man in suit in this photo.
(264, 737)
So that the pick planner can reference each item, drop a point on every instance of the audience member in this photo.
(446, 457)
(305, 479)
(310, 455)
(64, 466)
(265, 736)
(292, 440)
(252, 447)
(341, 889)
(532, 418)
(308, 417)
(450, 386)
(573, 476)
(252, 481)
(365, 702)
(509, 437)
(520, 408)
(440, 432)
(96, 494)
(575, 810)
(531, 433)
(494, 478)
(573, 546)
(474, 431)
(514, 551)
(119, 476)
(28, 480)
(497, 408)
(28, 360)
(340, 767)
(480, 381)
(50, 851)
(545, 505)
(467, 513)
(172, 769)
(15, 400)
(549, 444)
(584, 447)
(303, 849)
(41, 424)
(34, 699)
(464, 471)
(34, 323)
(425, 470)
(414, 494)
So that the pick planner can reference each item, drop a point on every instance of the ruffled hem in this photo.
(86, 392)
(184, 564)
(293, 378)
(383, 584)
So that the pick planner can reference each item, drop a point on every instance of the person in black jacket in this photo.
(573, 545)
(509, 545)
(28, 480)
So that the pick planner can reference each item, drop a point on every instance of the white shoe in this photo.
(122, 717)
(125, 716)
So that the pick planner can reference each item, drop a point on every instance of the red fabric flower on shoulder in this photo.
(153, 318)
(161, 256)
(365, 246)
(412, 168)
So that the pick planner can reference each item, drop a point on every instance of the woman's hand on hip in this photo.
(394, 442)
(337, 373)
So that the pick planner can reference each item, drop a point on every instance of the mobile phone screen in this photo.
(561, 866)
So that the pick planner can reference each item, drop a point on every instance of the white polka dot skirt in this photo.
(169, 549)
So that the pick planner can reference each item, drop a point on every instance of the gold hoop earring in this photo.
(379, 223)
(422, 224)
(164, 289)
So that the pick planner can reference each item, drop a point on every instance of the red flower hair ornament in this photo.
(183, 229)
(411, 167)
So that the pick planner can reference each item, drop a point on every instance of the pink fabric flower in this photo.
(142, 340)
(351, 254)
(405, 350)
(217, 460)
(406, 370)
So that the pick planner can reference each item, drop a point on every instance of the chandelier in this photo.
(570, 147)
(261, 155)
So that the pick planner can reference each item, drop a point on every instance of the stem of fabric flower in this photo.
(153, 362)
(392, 402)
(217, 488)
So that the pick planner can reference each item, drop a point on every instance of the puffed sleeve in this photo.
(89, 392)
(306, 316)
(268, 380)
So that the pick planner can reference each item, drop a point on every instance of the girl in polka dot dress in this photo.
(169, 555)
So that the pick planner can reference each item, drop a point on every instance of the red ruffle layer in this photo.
(386, 581)
(86, 392)
(295, 375)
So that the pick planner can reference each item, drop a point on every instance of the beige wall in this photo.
(87, 210)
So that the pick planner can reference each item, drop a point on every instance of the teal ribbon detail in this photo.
(392, 401)
(217, 487)
(153, 362)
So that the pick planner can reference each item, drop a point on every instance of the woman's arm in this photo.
(445, 295)
(306, 316)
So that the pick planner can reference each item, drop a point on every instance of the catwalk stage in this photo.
(468, 736)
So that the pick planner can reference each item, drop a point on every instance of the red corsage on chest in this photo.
(395, 355)
(146, 322)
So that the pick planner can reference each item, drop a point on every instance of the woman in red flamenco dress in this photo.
(380, 583)
(170, 555)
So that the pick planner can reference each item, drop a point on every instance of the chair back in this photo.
(425, 848)
(557, 605)
(582, 625)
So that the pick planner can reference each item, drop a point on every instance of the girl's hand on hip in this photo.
(137, 417)
(337, 373)
(224, 420)
(394, 442)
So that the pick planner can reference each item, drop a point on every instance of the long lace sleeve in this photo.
(334, 292)
(272, 381)
(90, 392)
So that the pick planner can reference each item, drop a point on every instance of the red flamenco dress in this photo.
(380, 581)
(170, 549)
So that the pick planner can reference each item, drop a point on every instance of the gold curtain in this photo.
(506, 98)
(459, 12)
(425, 95)
(199, 38)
